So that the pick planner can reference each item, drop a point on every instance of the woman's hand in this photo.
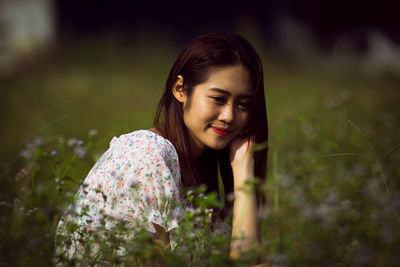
(240, 150)
(241, 157)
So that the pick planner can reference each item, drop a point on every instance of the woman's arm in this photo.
(244, 225)
(161, 236)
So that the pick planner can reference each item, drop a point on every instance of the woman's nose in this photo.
(227, 114)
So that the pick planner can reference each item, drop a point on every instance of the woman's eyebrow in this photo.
(222, 91)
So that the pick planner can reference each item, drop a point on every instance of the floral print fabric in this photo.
(136, 181)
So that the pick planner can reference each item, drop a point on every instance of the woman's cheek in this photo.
(207, 110)
(244, 120)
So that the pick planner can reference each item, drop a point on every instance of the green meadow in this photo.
(333, 184)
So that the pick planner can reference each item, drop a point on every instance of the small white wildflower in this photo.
(191, 210)
(38, 141)
(345, 204)
(26, 153)
(21, 173)
(331, 197)
(93, 132)
(177, 213)
(6, 204)
(80, 151)
(332, 102)
(72, 142)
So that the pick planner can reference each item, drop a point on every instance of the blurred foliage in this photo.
(333, 184)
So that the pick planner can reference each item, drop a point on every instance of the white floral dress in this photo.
(136, 181)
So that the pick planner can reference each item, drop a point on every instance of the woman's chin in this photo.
(218, 146)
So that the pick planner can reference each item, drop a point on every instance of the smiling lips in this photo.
(221, 131)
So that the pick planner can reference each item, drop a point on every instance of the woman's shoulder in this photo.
(144, 140)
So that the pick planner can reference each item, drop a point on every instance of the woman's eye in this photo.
(218, 100)
(244, 105)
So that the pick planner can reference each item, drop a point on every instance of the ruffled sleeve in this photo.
(158, 185)
(151, 169)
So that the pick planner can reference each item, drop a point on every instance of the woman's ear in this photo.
(178, 91)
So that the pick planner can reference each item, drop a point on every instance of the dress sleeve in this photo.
(155, 183)
(159, 185)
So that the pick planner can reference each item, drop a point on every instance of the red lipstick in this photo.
(221, 131)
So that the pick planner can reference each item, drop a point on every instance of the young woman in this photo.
(208, 120)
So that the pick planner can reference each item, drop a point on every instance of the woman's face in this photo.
(219, 108)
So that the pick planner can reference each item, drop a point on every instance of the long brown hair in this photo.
(194, 64)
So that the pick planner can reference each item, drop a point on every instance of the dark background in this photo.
(327, 20)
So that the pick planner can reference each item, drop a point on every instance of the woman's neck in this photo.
(196, 147)
(154, 130)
